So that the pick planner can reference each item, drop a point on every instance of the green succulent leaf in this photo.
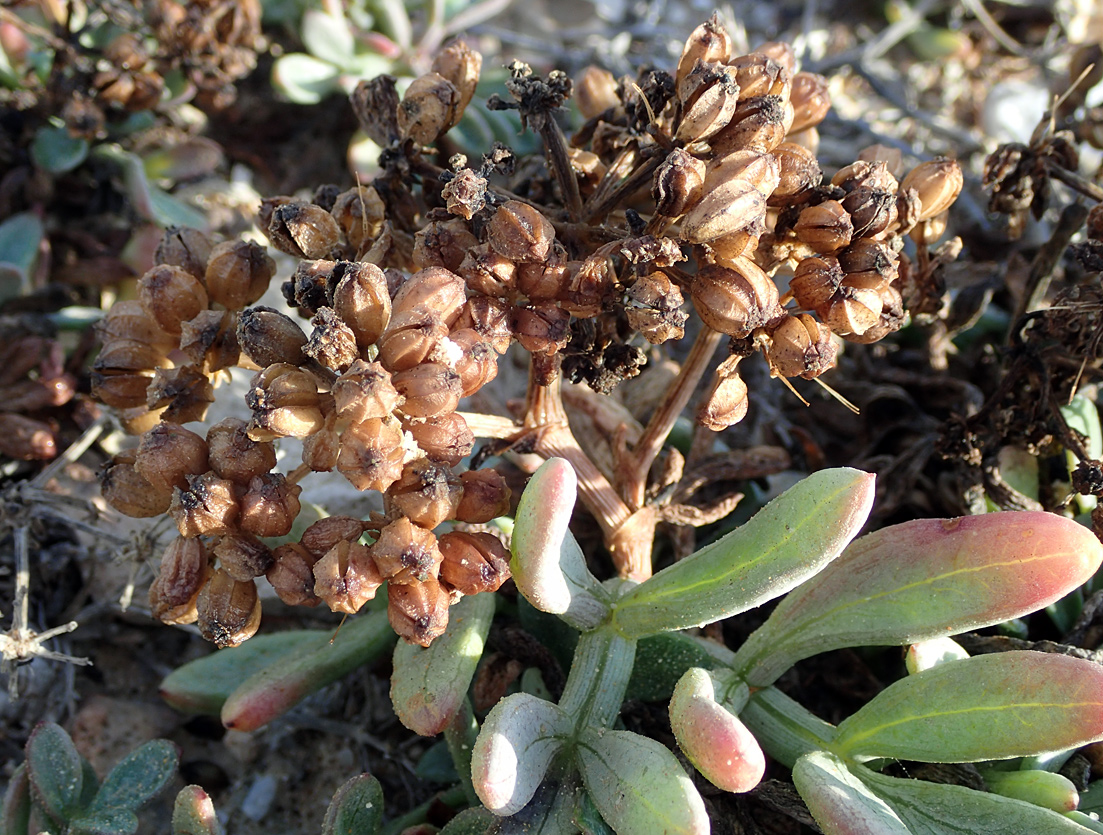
(785, 543)
(137, 778)
(840, 802)
(784, 728)
(1041, 788)
(193, 813)
(470, 822)
(20, 238)
(328, 36)
(55, 150)
(638, 785)
(56, 771)
(924, 579)
(305, 79)
(116, 821)
(356, 808)
(16, 816)
(988, 707)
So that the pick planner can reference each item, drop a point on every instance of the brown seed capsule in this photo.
(758, 124)
(332, 342)
(731, 207)
(430, 107)
(869, 263)
(270, 505)
(595, 91)
(485, 496)
(520, 232)
(365, 391)
(120, 356)
(800, 347)
(546, 280)
(433, 290)
(120, 391)
(208, 506)
(234, 455)
(268, 337)
(406, 553)
(322, 535)
(184, 393)
(229, 611)
(443, 243)
(464, 196)
(129, 492)
(490, 318)
(938, 183)
(486, 272)
(735, 300)
(763, 171)
(826, 227)
(242, 556)
(711, 95)
(303, 230)
(815, 282)
(727, 403)
(375, 104)
(238, 273)
(291, 575)
(446, 439)
(346, 577)
(799, 172)
(362, 301)
(779, 51)
(308, 289)
(654, 307)
(418, 612)
(430, 389)
(890, 321)
(185, 569)
(129, 321)
(209, 341)
(459, 64)
(871, 211)
(285, 402)
(709, 43)
(811, 100)
(427, 493)
(541, 328)
(678, 183)
(760, 75)
(171, 295)
(168, 454)
(359, 213)
(470, 356)
(26, 439)
(853, 310)
(862, 174)
(473, 562)
(410, 339)
(184, 247)
(371, 455)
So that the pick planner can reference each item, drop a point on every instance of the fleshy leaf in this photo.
(16, 818)
(638, 785)
(840, 802)
(305, 79)
(924, 579)
(115, 821)
(136, 778)
(279, 687)
(515, 746)
(931, 653)
(989, 707)
(57, 151)
(784, 728)
(193, 813)
(55, 771)
(356, 808)
(428, 685)
(469, 822)
(789, 540)
(1042, 788)
(327, 36)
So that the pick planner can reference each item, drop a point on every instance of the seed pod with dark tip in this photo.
(362, 301)
(428, 108)
(545, 280)
(171, 295)
(128, 321)
(781, 52)
(735, 300)
(418, 612)
(371, 455)
(811, 100)
(890, 320)
(427, 493)
(410, 339)
(346, 577)
(486, 272)
(732, 207)
(375, 104)
(678, 183)
(443, 243)
(485, 496)
(800, 347)
(406, 553)
(595, 91)
(760, 75)
(269, 506)
(709, 43)
(541, 328)
(758, 124)
(291, 575)
(826, 227)
(238, 273)
(869, 263)
(242, 556)
(763, 171)
(209, 341)
(285, 403)
(168, 454)
(228, 610)
(446, 439)
(873, 175)
(325, 533)
(938, 183)
(520, 232)
(234, 455)
(431, 389)
(184, 247)
(490, 318)
(120, 391)
(815, 282)
(365, 391)
(473, 562)
(853, 310)
(799, 173)
(308, 289)
(185, 569)
(653, 306)
(332, 343)
(303, 230)
(129, 492)
(433, 290)
(476, 363)
(359, 213)
(268, 337)
(459, 64)
(184, 393)
(207, 507)
(871, 211)
(711, 95)
(727, 403)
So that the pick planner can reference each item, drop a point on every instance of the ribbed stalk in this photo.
(599, 677)
(784, 728)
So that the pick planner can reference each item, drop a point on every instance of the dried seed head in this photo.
(406, 553)
(811, 100)
(321, 536)
(346, 577)
(433, 290)
(185, 569)
(291, 575)
(238, 273)
(129, 321)
(464, 196)
(520, 232)
(872, 211)
(303, 230)
(654, 308)
(541, 328)
(459, 64)
(826, 227)
(488, 273)
(799, 172)
(365, 391)
(735, 300)
(430, 107)
(268, 337)
(800, 347)
(477, 362)
(869, 263)
(168, 454)
(171, 295)
(678, 183)
(873, 175)
(490, 318)
(184, 247)
(208, 506)
(270, 505)
(359, 213)
(371, 455)
(443, 243)
(229, 610)
(209, 341)
(184, 393)
(418, 612)
(234, 455)
(890, 320)
(375, 104)
(815, 282)
(410, 339)
(285, 402)
(362, 301)
(760, 75)
(427, 493)
(431, 389)
(758, 124)
(732, 207)
(309, 286)
(727, 403)
(129, 492)
(485, 496)
(332, 343)
(708, 43)
(938, 183)
(242, 556)
(445, 439)
(595, 91)
(779, 51)
(473, 562)
(710, 95)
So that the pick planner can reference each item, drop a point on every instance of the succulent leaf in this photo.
(55, 770)
(840, 802)
(356, 808)
(193, 813)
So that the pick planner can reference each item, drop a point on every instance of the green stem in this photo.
(785, 729)
(599, 678)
